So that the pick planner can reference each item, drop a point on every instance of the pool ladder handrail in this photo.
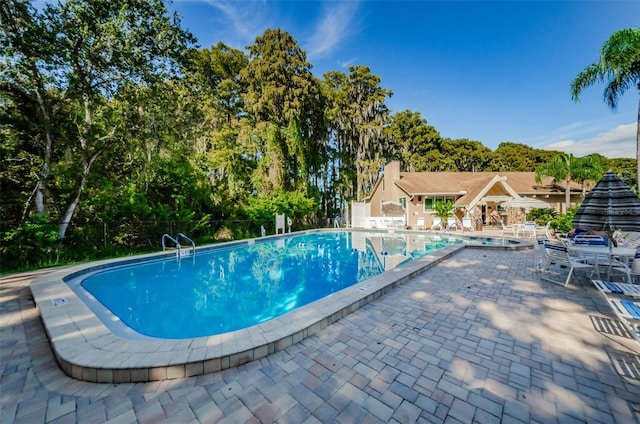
(177, 242)
(193, 244)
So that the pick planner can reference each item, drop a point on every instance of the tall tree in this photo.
(411, 139)
(214, 78)
(518, 157)
(27, 45)
(468, 155)
(358, 115)
(86, 51)
(619, 65)
(281, 97)
(565, 167)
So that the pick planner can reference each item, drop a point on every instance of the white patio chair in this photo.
(420, 223)
(437, 223)
(635, 266)
(542, 259)
(507, 228)
(529, 229)
(466, 224)
(558, 257)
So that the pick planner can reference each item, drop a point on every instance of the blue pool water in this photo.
(225, 289)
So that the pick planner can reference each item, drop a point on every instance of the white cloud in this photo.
(335, 26)
(346, 63)
(617, 142)
(244, 20)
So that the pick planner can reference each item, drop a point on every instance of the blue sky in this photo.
(486, 71)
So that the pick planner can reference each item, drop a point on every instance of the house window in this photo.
(403, 202)
(430, 202)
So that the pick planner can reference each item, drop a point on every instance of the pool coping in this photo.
(87, 350)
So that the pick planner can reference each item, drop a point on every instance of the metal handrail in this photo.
(193, 245)
(167, 236)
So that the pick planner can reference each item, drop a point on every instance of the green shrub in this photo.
(32, 242)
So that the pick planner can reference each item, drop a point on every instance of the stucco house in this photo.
(478, 195)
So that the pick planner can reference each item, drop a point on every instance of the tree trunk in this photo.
(71, 209)
(567, 196)
(40, 197)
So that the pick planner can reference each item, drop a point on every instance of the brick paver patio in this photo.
(478, 338)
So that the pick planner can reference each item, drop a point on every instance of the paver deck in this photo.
(477, 338)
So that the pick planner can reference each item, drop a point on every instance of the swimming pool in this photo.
(226, 289)
(88, 348)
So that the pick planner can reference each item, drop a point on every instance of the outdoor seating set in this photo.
(386, 223)
(611, 205)
(586, 253)
(452, 224)
(557, 258)
(520, 229)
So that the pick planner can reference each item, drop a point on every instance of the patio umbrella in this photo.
(526, 203)
(611, 205)
(392, 209)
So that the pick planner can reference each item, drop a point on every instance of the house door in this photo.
(484, 214)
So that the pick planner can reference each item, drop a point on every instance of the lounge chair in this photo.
(623, 300)
(420, 223)
(437, 223)
(558, 257)
(466, 224)
(628, 312)
(613, 287)
(452, 223)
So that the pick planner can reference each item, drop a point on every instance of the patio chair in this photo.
(529, 229)
(420, 223)
(558, 257)
(591, 240)
(437, 223)
(507, 228)
(635, 266)
(542, 259)
(466, 224)
(280, 223)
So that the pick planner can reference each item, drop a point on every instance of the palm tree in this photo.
(619, 63)
(444, 210)
(566, 168)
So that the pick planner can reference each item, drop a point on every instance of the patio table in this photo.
(623, 253)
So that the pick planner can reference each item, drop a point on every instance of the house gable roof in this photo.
(415, 183)
(470, 187)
